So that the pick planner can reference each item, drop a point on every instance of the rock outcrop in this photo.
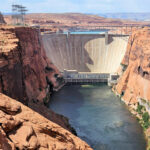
(21, 128)
(2, 21)
(25, 72)
(135, 80)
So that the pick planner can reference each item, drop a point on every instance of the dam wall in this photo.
(86, 52)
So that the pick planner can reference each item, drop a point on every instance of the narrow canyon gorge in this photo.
(28, 78)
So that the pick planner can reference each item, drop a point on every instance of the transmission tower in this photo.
(18, 13)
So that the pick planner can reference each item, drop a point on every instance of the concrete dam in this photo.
(91, 53)
(85, 52)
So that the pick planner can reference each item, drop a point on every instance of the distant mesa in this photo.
(128, 16)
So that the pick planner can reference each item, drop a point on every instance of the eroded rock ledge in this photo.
(21, 128)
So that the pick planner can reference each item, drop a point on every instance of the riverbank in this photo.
(133, 86)
(137, 111)
(146, 131)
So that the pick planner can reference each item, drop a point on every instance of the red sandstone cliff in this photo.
(135, 81)
(25, 72)
(21, 128)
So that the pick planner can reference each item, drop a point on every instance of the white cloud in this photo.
(89, 6)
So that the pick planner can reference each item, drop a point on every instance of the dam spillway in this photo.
(86, 52)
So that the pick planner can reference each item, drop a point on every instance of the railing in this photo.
(114, 29)
(102, 80)
(92, 78)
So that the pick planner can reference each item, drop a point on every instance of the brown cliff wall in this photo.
(25, 72)
(135, 81)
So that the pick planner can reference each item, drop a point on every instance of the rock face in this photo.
(25, 72)
(21, 128)
(135, 80)
(2, 21)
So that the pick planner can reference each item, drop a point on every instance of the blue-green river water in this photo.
(99, 117)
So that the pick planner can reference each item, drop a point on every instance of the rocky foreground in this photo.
(21, 128)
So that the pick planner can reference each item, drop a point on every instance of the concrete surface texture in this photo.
(85, 53)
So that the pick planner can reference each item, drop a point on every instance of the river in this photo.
(99, 117)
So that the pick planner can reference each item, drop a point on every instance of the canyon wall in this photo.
(134, 82)
(25, 72)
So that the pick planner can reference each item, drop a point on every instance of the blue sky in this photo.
(83, 6)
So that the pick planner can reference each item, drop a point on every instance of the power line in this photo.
(18, 13)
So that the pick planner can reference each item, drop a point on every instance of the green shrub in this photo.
(139, 109)
(145, 117)
(146, 125)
